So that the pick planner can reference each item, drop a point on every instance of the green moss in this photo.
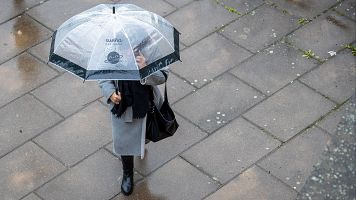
(228, 8)
(352, 48)
(303, 20)
(232, 10)
(309, 54)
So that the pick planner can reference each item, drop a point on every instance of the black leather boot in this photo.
(127, 183)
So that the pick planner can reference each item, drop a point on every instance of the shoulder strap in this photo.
(165, 86)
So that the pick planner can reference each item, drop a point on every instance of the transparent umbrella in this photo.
(103, 42)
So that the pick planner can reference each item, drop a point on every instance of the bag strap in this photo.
(165, 86)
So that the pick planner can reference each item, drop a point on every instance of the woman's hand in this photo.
(141, 60)
(115, 98)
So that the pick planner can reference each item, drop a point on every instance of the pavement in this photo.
(259, 96)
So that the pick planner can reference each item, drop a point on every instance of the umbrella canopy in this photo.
(103, 42)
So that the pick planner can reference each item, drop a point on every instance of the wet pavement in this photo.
(334, 176)
(265, 99)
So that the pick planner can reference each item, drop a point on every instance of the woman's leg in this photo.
(127, 183)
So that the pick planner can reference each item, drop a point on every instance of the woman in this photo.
(129, 117)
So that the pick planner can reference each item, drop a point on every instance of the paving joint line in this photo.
(335, 109)
(22, 52)
(226, 71)
(38, 134)
(67, 168)
(177, 155)
(82, 108)
(184, 79)
(45, 26)
(227, 122)
(180, 8)
(342, 14)
(170, 4)
(217, 181)
(266, 132)
(264, 157)
(38, 196)
(222, 27)
(242, 115)
(44, 62)
(248, 84)
(275, 177)
(22, 12)
(49, 180)
(49, 107)
(30, 139)
(31, 90)
(49, 153)
(235, 43)
(316, 91)
(280, 40)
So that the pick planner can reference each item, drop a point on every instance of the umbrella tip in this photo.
(113, 9)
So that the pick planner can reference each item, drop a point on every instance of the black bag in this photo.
(161, 123)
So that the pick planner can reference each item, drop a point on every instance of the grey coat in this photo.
(128, 133)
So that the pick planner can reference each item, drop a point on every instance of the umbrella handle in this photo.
(117, 87)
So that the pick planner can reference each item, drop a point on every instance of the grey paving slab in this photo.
(79, 135)
(176, 88)
(11, 9)
(67, 93)
(197, 14)
(347, 8)
(208, 58)
(53, 13)
(273, 68)
(185, 183)
(255, 34)
(96, 178)
(289, 111)
(330, 32)
(331, 121)
(21, 75)
(336, 78)
(158, 6)
(25, 169)
(179, 3)
(41, 50)
(334, 176)
(293, 162)
(22, 120)
(186, 136)
(19, 34)
(231, 150)
(32, 196)
(306, 9)
(240, 6)
(218, 102)
(254, 184)
(181, 46)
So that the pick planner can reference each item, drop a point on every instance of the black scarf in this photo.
(134, 94)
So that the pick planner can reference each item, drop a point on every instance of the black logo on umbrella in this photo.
(113, 57)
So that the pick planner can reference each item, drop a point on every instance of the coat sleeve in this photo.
(156, 78)
(107, 88)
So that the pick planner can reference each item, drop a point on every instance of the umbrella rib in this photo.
(97, 41)
(70, 32)
(151, 26)
(129, 43)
